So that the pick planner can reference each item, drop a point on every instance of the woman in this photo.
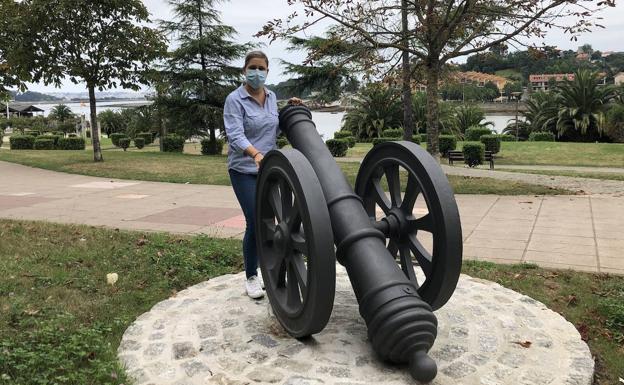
(251, 123)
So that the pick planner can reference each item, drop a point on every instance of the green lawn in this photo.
(185, 168)
(576, 174)
(61, 323)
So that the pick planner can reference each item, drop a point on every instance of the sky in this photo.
(248, 17)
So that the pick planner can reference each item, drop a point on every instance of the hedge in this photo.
(476, 132)
(342, 134)
(337, 147)
(211, 148)
(146, 136)
(447, 143)
(88, 134)
(22, 142)
(392, 133)
(350, 141)
(44, 144)
(282, 142)
(124, 143)
(173, 143)
(71, 143)
(139, 143)
(58, 133)
(416, 139)
(115, 138)
(492, 143)
(423, 138)
(377, 141)
(55, 138)
(541, 136)
(507, 138)
(474, 154)
(1, 136)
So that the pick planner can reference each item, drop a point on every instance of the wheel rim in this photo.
(295, 243)
(422, 225)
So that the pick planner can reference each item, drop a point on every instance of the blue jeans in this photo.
(245, 189)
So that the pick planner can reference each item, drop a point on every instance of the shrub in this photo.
(542, 137)
(492, 143)
(416, 139)
(1, 136)
(88, 134)
(124, 143)
(282, 142)
(146, 136)
(377, 141)
(447, 143)
(392, 133)
(54, 138)
(59, 133)
(22, 142)
(211, 148)
(72, 135)
(342, 134)
(71, 143)
(337, 147)
(507, 138)
(115, 138)
(173, 143)
(32, 133)
(66, 127)
(44, 144)
(139, 143)
(423, 138)
(474, 154)
(475, 132)
(350, 141)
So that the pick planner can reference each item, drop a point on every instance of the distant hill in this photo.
(31, 96)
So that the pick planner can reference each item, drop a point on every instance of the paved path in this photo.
(578, 232)
(614, 170)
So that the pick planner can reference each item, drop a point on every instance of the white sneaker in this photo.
(260, 278)
(253, 287)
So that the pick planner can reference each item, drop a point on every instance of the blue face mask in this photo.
(256, 78)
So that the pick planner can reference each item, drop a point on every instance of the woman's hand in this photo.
(258, 159)
(295, 102)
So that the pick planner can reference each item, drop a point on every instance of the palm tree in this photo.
(377, 107)
(542, 112)
(466, 116)
(61, 113)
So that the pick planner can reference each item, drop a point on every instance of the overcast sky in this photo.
(248, 17)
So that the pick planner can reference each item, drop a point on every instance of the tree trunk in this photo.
(433, 75)
(408, 114)
(204, 66)
(95, 129)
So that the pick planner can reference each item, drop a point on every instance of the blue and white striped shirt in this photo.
(247, 123)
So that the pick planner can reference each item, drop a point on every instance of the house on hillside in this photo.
(543, 82)
(619, 78)
(20, 110)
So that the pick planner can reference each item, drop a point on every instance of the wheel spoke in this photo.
(393, 248)
(301, 272)
(294, 220)
(287, 199)
(292, 288)
(277, 270)
(299, 243)
(380, 196)
(424, 223)
(424, 259)
(411, 193)
(394, 183)
(406, 263)
(276, 202)
(267, 229)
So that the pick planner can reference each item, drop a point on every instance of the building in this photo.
(543, 82)
(471, 77)
(619, 79)
(20, 109)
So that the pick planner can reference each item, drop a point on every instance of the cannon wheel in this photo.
(295, 243)
(424, 178)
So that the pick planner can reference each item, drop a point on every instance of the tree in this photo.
(100, 43)
(198, 73)
(439, 30)
(61, 113)
(111, 122)
(12, 74)
(376, 108)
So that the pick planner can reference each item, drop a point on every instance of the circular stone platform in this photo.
(212, 333)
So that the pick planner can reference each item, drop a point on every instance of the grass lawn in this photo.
(576, 174)
(185, 168)
(62, 323)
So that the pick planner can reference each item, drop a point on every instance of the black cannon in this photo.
(305, 207)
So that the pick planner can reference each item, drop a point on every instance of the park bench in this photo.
(454, 156)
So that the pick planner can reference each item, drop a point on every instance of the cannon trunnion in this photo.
(305, 206)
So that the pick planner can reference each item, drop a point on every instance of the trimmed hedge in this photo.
(58, 133)
(392, 133)
(71, 143)
(423, 138)
(55, 138)
(44, 144)
(124, 143)
(115, 138)
(22, 142)
(447, 143)
(173, 143)
(337, 147)
(1, 136)
(416, 139)
(342, 134)
(282, 142)
(88, 134)
(492, 143)
(542, 136)
(32, 133)
(139, 143)
(72, 135)
(474, 154)
(377, 141)
(211, 148)
(507, 138)
(350, 141)
(475, 132)
(146, 136)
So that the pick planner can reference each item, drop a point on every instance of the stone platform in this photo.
(212, 333)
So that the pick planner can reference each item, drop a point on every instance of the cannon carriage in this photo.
(308, 216)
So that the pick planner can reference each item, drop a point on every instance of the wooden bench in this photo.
(458, 156)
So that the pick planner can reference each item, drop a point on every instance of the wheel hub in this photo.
(397, 222)
(281, 235)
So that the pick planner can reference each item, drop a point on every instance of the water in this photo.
(83, 108)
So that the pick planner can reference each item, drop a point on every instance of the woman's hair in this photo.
(256, 55)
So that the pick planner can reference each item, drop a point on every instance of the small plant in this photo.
(55, 138)
(124, 143)
(22, 142)
(492, 143)
(416, 139)
(423, 138)
(88, 134)
(282, 142)
(541, 136)
(173, 143)
(147, 137)
(342, 134)
(139, 142)
(115, 138)
(507, 138)
(337, 147)
(475, 132)
(392, 133)
(447, 143)
(44, 144)
(474, 154)
(211, 148)
(377, 141)
(71, 143)
(1, 136)
(350, 140)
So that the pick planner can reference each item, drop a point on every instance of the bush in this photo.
(377, 141)
(282, 142)
(507, 138)
(67, 127)
(58, 133)
(124, 143)
(115, 138)
(146, 136)
(72, 135)
(447, 143)
(416, 139)
(342, 134)
(1, 136)
(139, 143)
(474, 154)
(211, 148)
(173, 143)
(542, 137)
(492, 143)
(350, 141)
(55, 138)
(337, 147)
(44, 144)
(392, 133)
(88, 134)
(22, 142)
(475, 132)
(71, 143)
(32, 133)
(423, 138)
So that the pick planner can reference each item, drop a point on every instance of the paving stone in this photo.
(213, 341)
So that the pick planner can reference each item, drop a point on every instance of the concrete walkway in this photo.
(577, 232)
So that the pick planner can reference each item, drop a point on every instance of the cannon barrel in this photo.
(401, 326)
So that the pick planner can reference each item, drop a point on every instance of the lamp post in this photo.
(517, 95)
